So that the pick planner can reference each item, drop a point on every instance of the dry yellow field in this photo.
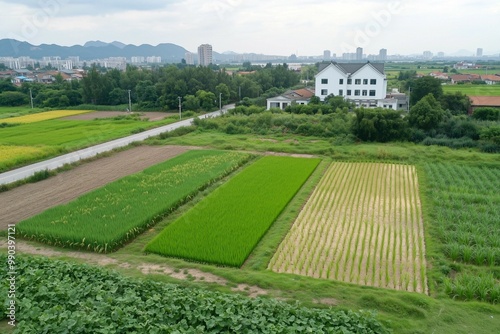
(44, 116)
(10, 155)
(363, 225)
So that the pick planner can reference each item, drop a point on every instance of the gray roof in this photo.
(352, 67)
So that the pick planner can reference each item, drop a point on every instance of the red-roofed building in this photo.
(464, 78)
(483, 101)
(299, 96)
(491, 79)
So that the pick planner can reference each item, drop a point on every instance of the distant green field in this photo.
(62, 136)
(17, 111)
(473, 90)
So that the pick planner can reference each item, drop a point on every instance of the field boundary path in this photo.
(89, 152)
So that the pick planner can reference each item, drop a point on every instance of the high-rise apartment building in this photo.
(205, 55)
(382, 55)
(479, 52)
(189, 58)
(327, 55)
(359, 53)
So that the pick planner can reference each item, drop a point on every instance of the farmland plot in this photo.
(363, 225)
(44, 116)
(104, 219)
(226, 226)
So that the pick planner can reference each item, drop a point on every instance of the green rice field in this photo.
(226, 226)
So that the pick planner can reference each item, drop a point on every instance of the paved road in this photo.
(57, 162)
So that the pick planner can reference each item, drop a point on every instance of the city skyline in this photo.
(233, 25)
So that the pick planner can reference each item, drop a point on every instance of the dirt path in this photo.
(144, 267)
(30, 199)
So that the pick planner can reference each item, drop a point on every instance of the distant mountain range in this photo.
(91, 50)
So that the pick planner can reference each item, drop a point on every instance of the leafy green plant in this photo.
(58, 297)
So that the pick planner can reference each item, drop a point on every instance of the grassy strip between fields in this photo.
(225, 227)
(106, 218)
(44, 116)
(58, 297)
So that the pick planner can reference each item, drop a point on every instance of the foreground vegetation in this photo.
(226, 226)
(58, 297)
(126, 207)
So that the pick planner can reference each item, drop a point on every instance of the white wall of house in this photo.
(367, 83)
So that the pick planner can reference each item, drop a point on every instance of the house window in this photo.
(373, 81)
(356, 92)
(341, 81)
(357, 82)
(365, 81)
(324, 81)
(400, 105)
(349, 81)
(372, 92)
(324, 92)
(365, 92)
(341, 92)
(348, 92)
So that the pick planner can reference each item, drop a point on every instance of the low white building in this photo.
(299, 96)
(362, 83)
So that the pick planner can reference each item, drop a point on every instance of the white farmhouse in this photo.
(362, 83)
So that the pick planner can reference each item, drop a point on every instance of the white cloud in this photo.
(263, 26)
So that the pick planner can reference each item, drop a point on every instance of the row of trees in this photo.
(157, 88)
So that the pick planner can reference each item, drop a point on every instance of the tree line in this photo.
(157, 88)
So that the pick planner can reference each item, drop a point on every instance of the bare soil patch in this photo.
(30, 199)
(151, 115)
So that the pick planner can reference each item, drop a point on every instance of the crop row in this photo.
(465, 223)
(226, 226)
(362, 224)
(58, 297)
(44, 116)
(104, 219)
(466, 202)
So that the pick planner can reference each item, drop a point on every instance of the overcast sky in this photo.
(280, 27)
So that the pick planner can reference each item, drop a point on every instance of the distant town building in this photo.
(359, 53)
(382, 55)
(153, 60)
(479, 52)
(427, 54)
(138, 60)
(440, 54)
(327, 55)
(205, 55)
(188, 57)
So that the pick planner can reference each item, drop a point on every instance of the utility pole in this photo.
(31, 98)
(180, 107)
(129, 102)
(220, 102)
